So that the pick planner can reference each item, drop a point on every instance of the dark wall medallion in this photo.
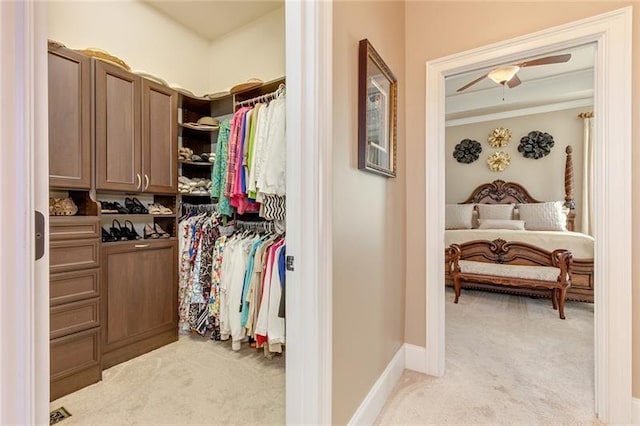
(536, 145)
(467, 151)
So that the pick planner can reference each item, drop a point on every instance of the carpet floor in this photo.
(509, 360)
(189, 382)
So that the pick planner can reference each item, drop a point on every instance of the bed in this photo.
(580, 245)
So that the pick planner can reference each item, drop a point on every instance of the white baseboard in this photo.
(370, 408)
(635, 411)
(415, 357)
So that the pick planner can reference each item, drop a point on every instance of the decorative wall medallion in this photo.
(536, 144)
(498, 161)
(467, 151)
(499, 137)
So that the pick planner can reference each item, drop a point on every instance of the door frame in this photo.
(24, 288)
(24, 366)
(612, 32)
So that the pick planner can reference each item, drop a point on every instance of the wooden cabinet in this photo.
(69, 119)
(159, 138)
(117, 122)
(74, 303)
(136, 132)
(139, 298)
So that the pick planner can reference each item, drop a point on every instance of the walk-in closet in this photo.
(167, 159)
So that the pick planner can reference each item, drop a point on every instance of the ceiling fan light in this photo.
(503, 74)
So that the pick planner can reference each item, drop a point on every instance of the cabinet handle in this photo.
(139, 180)
(146, 182)
(142, 245)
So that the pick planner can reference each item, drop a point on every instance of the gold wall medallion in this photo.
(498, 161)
(499, 137)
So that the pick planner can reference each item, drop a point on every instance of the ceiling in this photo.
(211, 19)
(555, 86)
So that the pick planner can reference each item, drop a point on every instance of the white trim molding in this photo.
(635, 417)
(24, 291)
(370, 408)
(309, 73)
(612, 32)
(414, 357)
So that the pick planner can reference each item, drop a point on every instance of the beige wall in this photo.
(543, 178)
(254, 50)
(368, 214)
(437, 29)
(142, 37)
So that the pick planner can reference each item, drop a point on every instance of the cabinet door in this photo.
(140, 293)
(117, 122)
(69, 119)
(159, 138)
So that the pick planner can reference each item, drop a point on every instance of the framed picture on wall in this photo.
(377, 106)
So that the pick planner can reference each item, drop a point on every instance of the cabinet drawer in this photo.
(73, 255)
(73, 227)
(73, 286)
(73, 317)
(74, 353)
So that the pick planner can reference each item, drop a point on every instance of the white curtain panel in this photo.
(587, 177)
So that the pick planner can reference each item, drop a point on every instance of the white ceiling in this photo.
(211, 19)
(558, 86)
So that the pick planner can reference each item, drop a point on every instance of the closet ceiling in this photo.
(548, 86)
(212, 19)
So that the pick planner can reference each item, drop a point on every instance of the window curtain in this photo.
(587, 173)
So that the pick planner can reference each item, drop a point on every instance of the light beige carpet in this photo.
(509, 360)
(190, 382)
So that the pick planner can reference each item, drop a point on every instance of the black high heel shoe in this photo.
(106, 236)
(137, 203)
(117, 233)
(132, 206)
(132, 234)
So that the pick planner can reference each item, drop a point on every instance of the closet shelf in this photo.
(195, 195)
(130, 215)
(141, 241)
(206, 132)
(196, 163)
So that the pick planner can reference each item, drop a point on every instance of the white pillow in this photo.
(547, 216)
(495, 211)
(458, 216)
(517, 225)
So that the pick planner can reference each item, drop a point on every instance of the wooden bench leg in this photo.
(554, 298)
(456, 287)
(562, 297)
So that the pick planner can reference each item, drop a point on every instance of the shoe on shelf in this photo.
(106, 236)
(159, 231)
(107, 207)
(150, 233)
(131, 233)
(117, 233)
(157, 208)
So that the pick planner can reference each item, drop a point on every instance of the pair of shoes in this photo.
(154, 232)
(119, 233)
(157, 208)
(135, 206)
(112, 207)
(62, 207)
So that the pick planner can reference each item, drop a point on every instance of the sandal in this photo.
(117, 233)
(132, 234)
(141, 207)
(133, 208)
(150, 233)
(160, 232)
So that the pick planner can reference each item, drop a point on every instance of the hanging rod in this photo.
(281, 90)
(199, 208)
(262, 225)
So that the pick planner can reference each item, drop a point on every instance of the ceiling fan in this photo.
(506, 75)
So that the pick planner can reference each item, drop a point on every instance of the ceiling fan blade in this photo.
(515, 81)
(466, 86)
(557, 59)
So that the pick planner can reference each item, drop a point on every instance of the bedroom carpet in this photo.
(192, 381)
(509, 360)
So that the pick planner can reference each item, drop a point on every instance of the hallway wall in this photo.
(438, 29)
(368, 214)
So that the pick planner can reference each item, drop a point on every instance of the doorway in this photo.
(309, 392)
(612, 178)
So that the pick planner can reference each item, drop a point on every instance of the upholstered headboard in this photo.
(501, 192)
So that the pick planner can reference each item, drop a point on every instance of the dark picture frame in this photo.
(377, 112)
